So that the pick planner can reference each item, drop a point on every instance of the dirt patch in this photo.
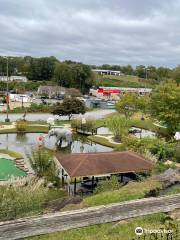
(58, 204)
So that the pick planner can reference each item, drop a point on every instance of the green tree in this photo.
(164, 104)
(63, 74)
(119, 126)
(69, 107)
(176, 74)
(128, 104)
(143, 105)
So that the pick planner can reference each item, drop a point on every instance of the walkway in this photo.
(79, 218)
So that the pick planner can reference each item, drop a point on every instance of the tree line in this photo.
(147, 72)
(78, 75)
(66, 73)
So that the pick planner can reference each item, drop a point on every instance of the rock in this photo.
(169, 177)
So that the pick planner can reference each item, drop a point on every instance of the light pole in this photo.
(146, 74)
(7, 90)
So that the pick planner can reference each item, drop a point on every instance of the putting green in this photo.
(8, 170)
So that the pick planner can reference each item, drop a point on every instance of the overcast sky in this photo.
(93, 31)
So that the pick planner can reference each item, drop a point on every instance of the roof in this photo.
(94, 164)
(51, 88)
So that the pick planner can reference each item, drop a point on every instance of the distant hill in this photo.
(123, 81)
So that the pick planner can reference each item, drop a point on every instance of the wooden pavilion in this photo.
(95, 165)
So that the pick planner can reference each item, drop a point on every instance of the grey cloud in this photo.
(96, 31)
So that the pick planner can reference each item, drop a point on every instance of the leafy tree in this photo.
(63, 74)
(128, 104)
(176, 74)
(69, 107)
(164, 104)
(119, 126)
(143, 105)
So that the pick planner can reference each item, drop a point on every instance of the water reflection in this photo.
(24, 142)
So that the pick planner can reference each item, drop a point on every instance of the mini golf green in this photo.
(8, 170)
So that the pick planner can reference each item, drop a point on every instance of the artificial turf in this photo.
(8, 170)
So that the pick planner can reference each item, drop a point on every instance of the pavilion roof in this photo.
(94, 164)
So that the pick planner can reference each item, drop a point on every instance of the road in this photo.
(44, 116)
(79, 218)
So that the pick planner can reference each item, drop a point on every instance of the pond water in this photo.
(103, 131)
(22, 143)
(142, 133)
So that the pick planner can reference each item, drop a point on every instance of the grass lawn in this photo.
(103, 141)
(121, 81)
(131, 191)
(147, 123)
(30, 129)
(11, 153)
(124, 230)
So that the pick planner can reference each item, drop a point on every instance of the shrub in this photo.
(76, 123)
(25, 198)
(44, 165)
(21, 126)
(119, 126)
(108, 185)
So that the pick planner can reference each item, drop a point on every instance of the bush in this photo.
(119, 126)
(108, 185)
(155, 146)
(21, 126)
(76, 123)
(30, 197)
(89, 125)
(44, 165)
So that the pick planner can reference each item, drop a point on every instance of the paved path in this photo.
(95, 215)
(44, 116)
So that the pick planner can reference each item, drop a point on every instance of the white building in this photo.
(20, 98)
(107, 72)
(14, 78)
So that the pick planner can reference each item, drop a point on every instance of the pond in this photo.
(22, 143)
(103, 131)
(142, 133)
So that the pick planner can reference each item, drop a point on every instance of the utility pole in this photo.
(7, 90)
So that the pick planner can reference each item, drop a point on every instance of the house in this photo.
(106, 72)
(14, 78)
(51, 91)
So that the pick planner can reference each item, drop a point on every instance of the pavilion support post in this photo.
(62, 178)
(121, 178)
(75, 186)
(92, 183)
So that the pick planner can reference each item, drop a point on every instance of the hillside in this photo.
(122, 81)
